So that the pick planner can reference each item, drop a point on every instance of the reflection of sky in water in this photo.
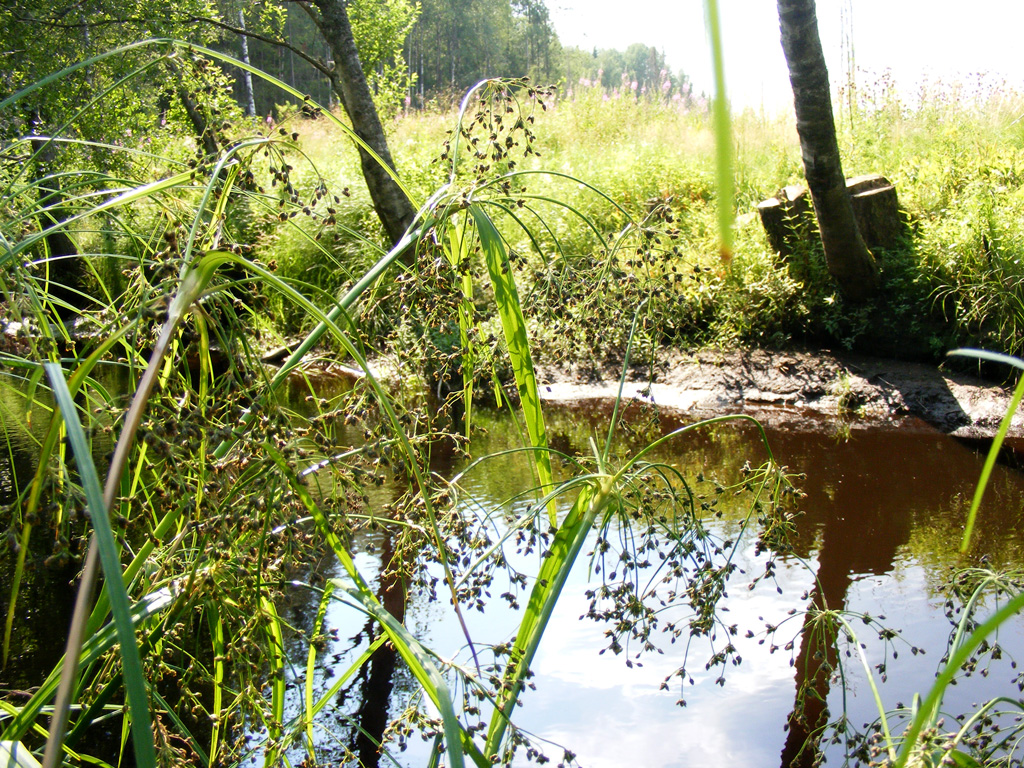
(898, 549)
(610, 714)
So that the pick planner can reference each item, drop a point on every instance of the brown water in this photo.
(884, 512)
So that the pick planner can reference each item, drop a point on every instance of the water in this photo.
(884, 512)
(883, 515)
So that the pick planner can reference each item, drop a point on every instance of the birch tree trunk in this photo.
(348, 81)
(250, 101)
(849, 261)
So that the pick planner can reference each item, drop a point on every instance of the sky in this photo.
(913, 39)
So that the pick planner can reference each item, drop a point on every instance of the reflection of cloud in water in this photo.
(570, 653)
(728, 729)
(613, 715)
(610, 714)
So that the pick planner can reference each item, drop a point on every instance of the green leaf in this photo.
(961, 759)
(510, 311)
(13, 754)
(424, 670)
(109, 552)
(553, 574)
(94, 647)
(723, 132)
(997, 441)
(457, 251)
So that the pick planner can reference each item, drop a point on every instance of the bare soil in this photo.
(794, 387)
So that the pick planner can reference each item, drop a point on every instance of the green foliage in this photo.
(217, 490)
(380, 28)
(209, 485)
(955, 279)
(457, 43)
(639, 70)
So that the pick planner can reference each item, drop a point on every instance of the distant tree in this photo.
(849, 261)
(576, 64)
(382, 26)
(457, 43)
(42, 38)
(611, 64)
(613, 69)
(533, 39)
(644, 65)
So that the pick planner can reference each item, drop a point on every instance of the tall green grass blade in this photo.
(997, 441)
(332, 692)
(310, 703)
(873, 685)
(613, 422)
(12, 605)
(564, 550)
(129, 196)
(181, 728)
(408, 647)
(457, 251)
(423, 669)
(109, 553)
(275, 653)
(510, 311)
(14, 754)
(84, 370)
(219, 653)
(723, 132)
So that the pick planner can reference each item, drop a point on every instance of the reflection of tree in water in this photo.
(864, 499)
(844, 551)
(376, 680)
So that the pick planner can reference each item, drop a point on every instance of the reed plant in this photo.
(214, 490)
(219, 496)
(950, 150)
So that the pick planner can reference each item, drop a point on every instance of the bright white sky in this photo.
(915, 39)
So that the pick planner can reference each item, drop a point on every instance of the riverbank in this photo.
(791, 386)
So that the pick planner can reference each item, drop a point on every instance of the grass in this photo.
(204, 495)
(951, 156)
(544, 233)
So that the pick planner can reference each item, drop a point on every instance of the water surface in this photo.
(883, 515)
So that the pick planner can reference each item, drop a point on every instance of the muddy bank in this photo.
(781, 387)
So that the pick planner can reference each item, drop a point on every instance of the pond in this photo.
(882, 516)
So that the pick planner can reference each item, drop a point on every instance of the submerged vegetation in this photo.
(549, 226)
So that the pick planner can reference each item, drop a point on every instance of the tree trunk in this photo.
(849, 261)
(392, 205)
(250, 101)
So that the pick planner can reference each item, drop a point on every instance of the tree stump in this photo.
(789, 223)
(787, 220)
(877, 211)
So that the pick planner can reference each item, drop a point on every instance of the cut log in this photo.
(871, 181)
(878, 215)
(788, 219)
